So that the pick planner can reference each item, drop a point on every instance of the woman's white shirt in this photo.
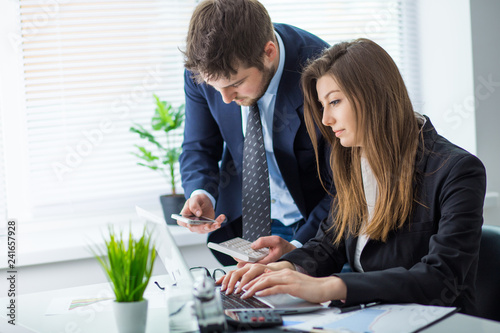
(371, 192)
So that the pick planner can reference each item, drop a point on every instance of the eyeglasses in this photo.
(200, 270)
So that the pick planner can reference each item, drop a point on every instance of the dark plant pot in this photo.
(172, 204)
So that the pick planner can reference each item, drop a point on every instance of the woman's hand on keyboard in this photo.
(287, 281)
(246, 274)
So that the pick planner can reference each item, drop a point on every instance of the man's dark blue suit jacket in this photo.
(213, 142)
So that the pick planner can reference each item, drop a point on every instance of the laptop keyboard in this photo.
(234, 301)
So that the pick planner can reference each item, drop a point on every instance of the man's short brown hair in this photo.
(225, 34)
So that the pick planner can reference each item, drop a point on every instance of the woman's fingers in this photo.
(230, 280)
(267, 280)
(283, 281)
(255, 270)
(279, 289)
(242, 275)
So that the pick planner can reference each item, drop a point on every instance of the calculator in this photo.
(239, 248)
(253, 318)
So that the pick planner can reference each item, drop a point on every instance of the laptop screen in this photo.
(167, 249)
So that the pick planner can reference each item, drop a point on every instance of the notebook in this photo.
(178, 270)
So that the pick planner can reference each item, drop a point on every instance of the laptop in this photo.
(179, 272)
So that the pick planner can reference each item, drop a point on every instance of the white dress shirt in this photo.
(371, 192)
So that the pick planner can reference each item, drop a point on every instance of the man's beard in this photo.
(267, 76)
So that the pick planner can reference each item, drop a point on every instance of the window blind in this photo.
(3, 197)
(90, 69)
(390, 23)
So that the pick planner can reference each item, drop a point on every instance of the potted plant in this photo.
(128, 265)
(165, 157)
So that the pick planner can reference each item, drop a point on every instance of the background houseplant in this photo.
(165, 156)
(128, 264)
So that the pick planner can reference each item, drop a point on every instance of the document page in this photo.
(381, 318)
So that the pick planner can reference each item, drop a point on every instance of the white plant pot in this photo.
(131, 316)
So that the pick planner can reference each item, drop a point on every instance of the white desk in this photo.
(31, 309)
(460, 323)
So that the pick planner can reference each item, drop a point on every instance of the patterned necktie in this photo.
(256, 204)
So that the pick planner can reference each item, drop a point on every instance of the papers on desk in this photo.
(65, 305)
(381, 318)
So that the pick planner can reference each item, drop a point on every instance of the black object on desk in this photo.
(345, 309)
(358, 307)
(257, 318)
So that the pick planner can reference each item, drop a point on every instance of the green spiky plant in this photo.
(128, 264)
(165, 119)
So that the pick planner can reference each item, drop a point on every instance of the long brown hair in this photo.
(224, 34)
(371, 82)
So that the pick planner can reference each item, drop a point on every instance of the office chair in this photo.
(488, 274)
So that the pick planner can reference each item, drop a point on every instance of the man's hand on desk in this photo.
(200, 205)
(277, 247)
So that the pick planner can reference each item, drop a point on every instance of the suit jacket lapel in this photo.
(286, 123)
(230, 119)
(287, 120)
(350, 244)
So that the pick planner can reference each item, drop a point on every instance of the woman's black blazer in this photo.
(433, 258)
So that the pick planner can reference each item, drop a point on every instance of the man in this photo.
(236, 59)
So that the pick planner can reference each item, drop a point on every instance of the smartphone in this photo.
(192, 219)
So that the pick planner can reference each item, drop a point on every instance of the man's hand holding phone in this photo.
(198, 215)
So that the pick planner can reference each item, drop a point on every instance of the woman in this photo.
(407, 212)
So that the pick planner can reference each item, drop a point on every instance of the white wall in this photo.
(446, 70)
(460, 52)
(486, 65)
